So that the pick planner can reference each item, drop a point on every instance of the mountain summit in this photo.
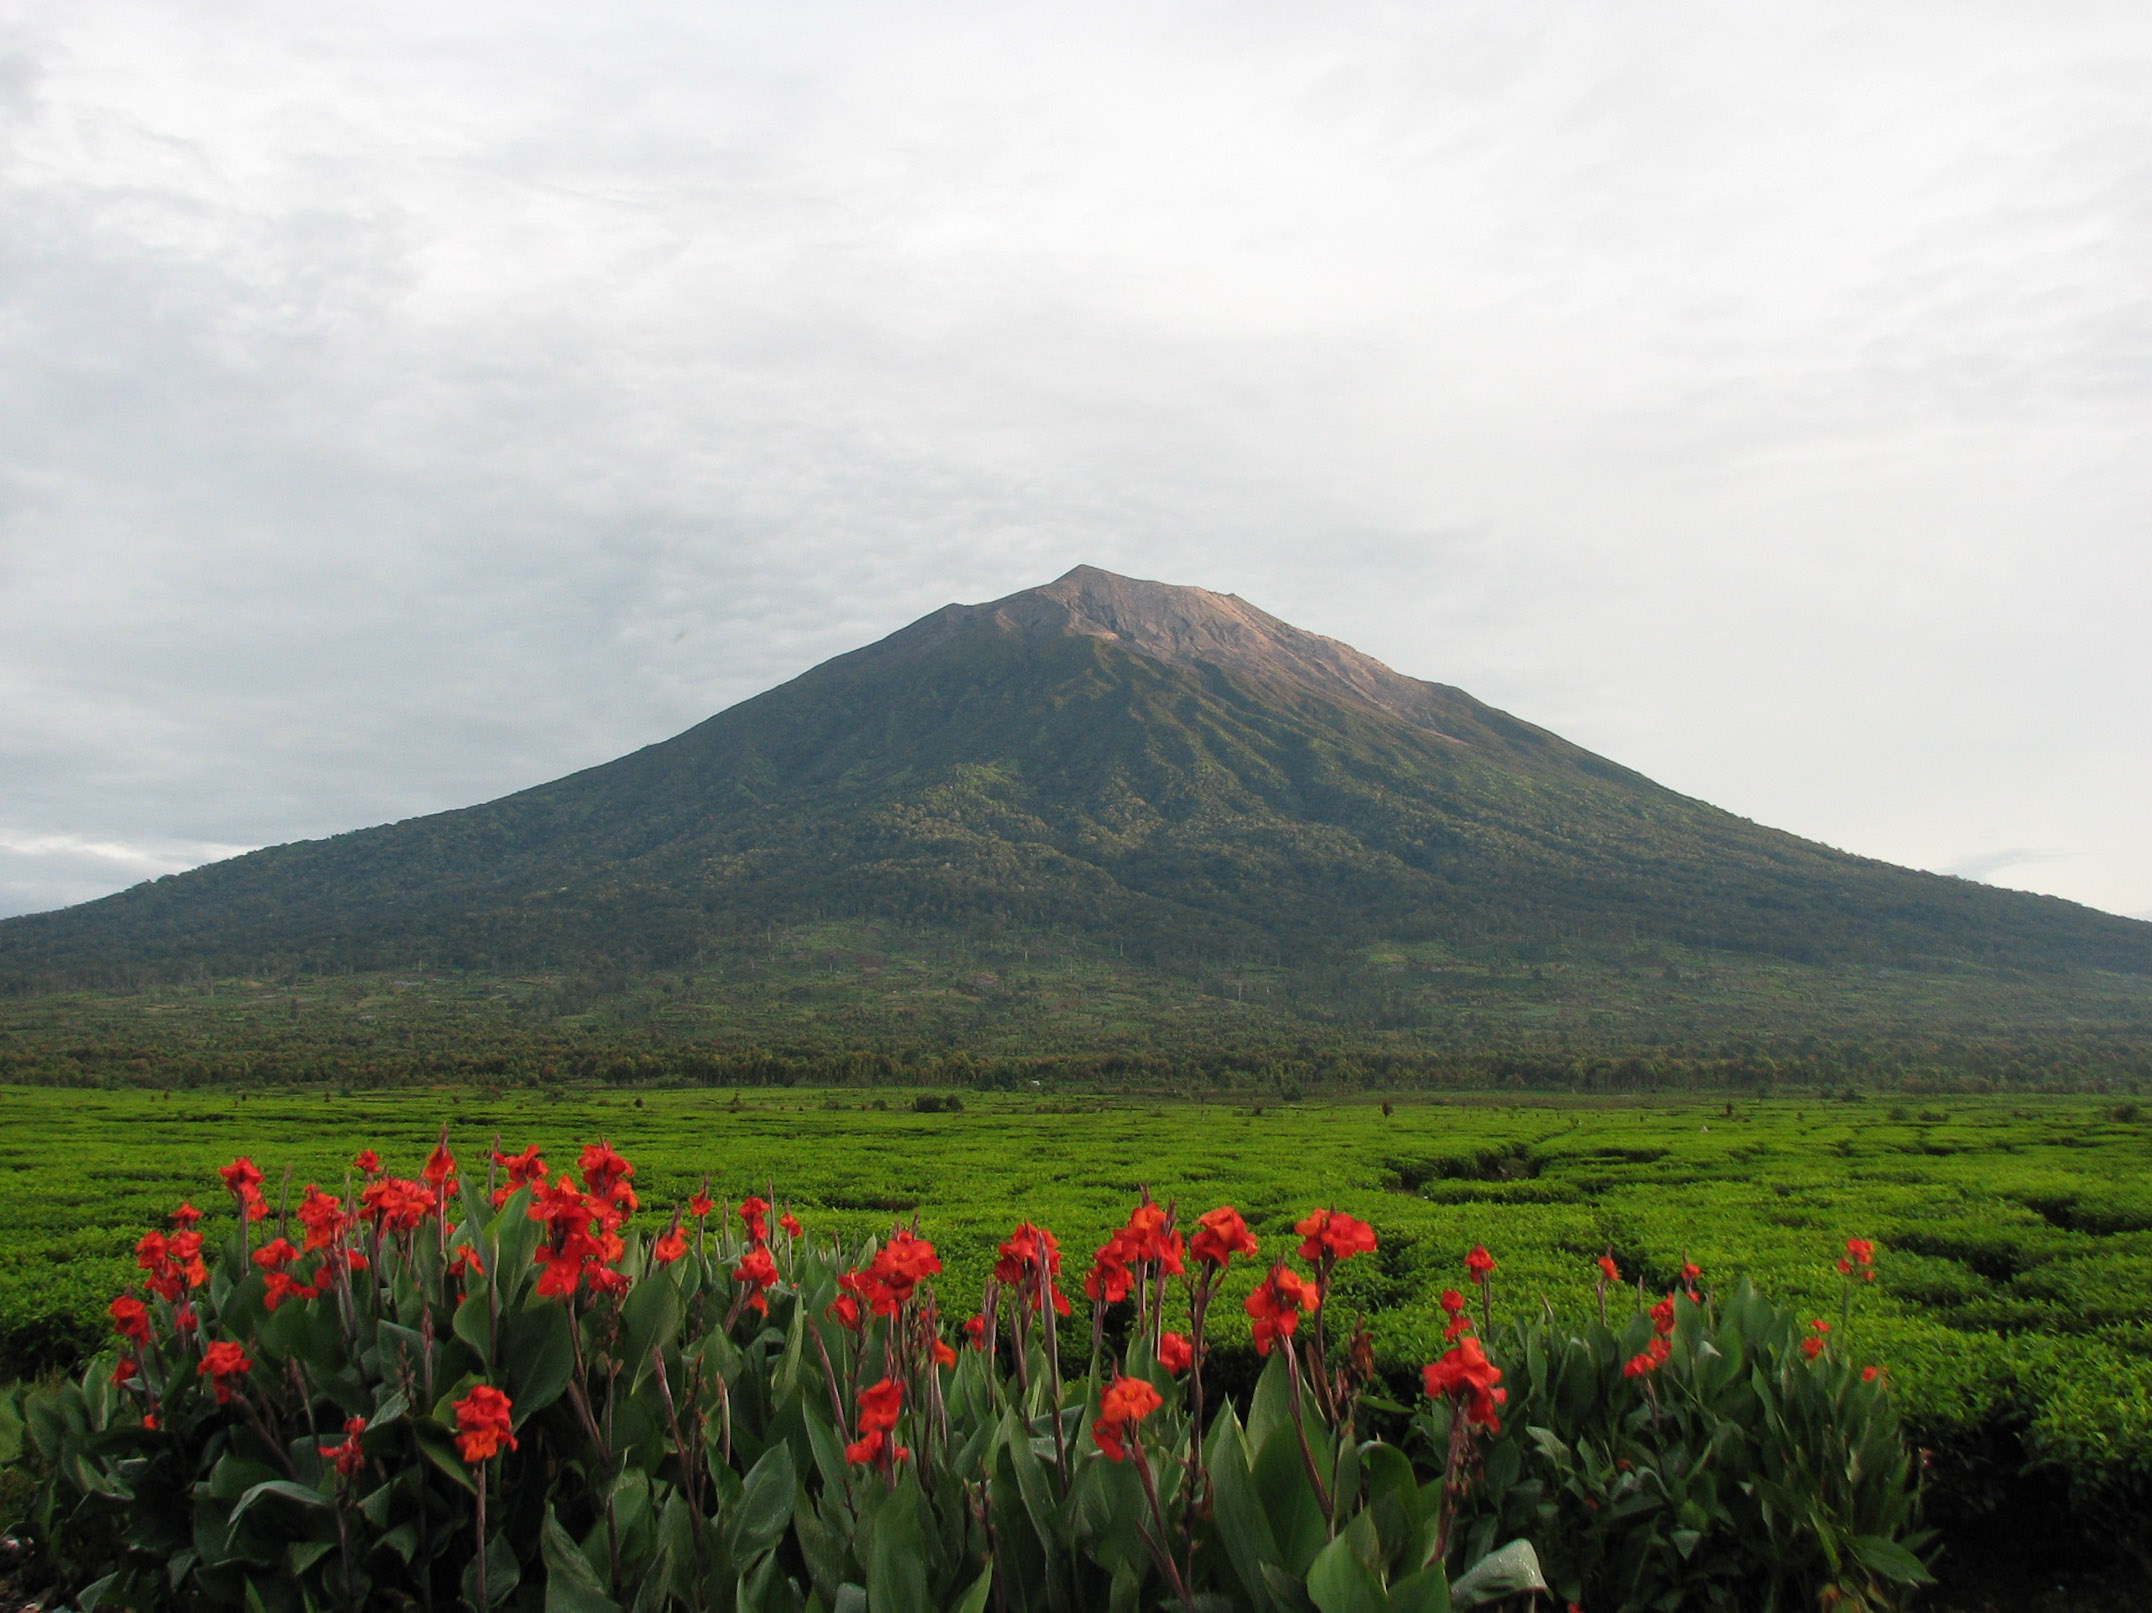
(1165, 769)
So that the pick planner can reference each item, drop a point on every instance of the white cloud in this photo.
(400, 406)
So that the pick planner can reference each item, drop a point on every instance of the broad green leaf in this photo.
(974, 1598)
(1339, 1582)
(279, 1487)
(896, 1559)
(1509, 1572)
(539, 1354)
(571, 1584)
(1428, 1591)
(1236, 1510)
(652, 1314)
(1890, 1559)
(766, 1501)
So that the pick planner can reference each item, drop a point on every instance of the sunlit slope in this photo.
(1190, 784)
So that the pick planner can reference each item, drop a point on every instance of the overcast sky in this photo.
(403, 404)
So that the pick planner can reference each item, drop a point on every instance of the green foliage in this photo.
(676, 1434)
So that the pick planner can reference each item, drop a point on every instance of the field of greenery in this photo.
(2013, 1312)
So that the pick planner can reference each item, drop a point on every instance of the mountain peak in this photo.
(1194, 627)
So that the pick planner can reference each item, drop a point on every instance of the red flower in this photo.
(125, 1369)
(1019, 1266)
(1174, 1352)
(605, 1175)
(322, 1214)
(1220, 1235)
(395, 1205)
(1460, 1323)
(1613, 1272)
(902, 1263)
(347, 1456)
(605, 1280)
(1277, 1305)
(130, 1318)
(701, 1205)
(1465, 1375)
(367, 1161)
(482, 1422)
(1479, 1264)
(790, 1223)
(526, 1169)
(1870, 1374)
(1812, 1347)
(465, 1261)
(1653, 1356)
(879, 1406)
(440, 1167)
(282, 1286)
(1690, 1272)
(1662, 1316)
(222, 1362)
(242, 1179)
(185, 1216)
(759, 1273)
(1128, 1402)
(1334, 1235)
(1862, 1251)
(276, 1253)
(670, 1245)
(976, 1327)
(844, 1310)
(943, 1355)
(754, 1214)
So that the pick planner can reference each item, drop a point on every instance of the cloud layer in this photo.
(398, 408)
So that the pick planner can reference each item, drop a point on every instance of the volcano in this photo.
(1165, 769)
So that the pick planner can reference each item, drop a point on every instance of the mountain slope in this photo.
(1163, 766)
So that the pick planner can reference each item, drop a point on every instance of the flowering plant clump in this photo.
(514, 1387)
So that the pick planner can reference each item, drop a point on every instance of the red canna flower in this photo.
(125, 1369)
(790, 1223)
(1334, 1235)
(526, 1169)
(242, 1179)
(1479, 1264)
(605, 1176)
(367, 1162)
(395, 1205)
(149, 1421)
(1812, 1347)
(483, 1422)
(1870, 1374)
(1127, 1403)
(754, 1214)
(902, 1263)
(347, 1456)
(670, 1245)
(844, 1310)
(1220, 1235)
(759, 1273)
(1467, 1377)
(1175, 1353)
(943, 1355)
(130, 1318)
(879, 1407)
(1613, 1272)
(1862, 1251)
(976, 1327)
(222, 1362)
(275, 1254)
(439, 1170)
(1662, 1316)
(1019, 1263)
(465, 1262)
(1277, 1304)
(186, 1216)
(701, 1205)
(282, 1286)
(322, 1214)
(1460, 1319)
(604, 1280)
(1690, 1271)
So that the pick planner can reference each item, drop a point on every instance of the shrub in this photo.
(507, 1394)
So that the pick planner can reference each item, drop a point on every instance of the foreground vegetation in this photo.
(500, 1392)
(2014, 1310)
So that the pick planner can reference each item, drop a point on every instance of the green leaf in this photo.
(766, 1501)
(1339, 1582)
(1509, 1572)
(474, 1323)
(280, 1487)
(1893, 1561)
(896, 1558)
(571, 1584)
(974, 1599)
(1425, 1592)
(1288, 1496)
(540, 1357)
(1236, 1510)
(652, 1313)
